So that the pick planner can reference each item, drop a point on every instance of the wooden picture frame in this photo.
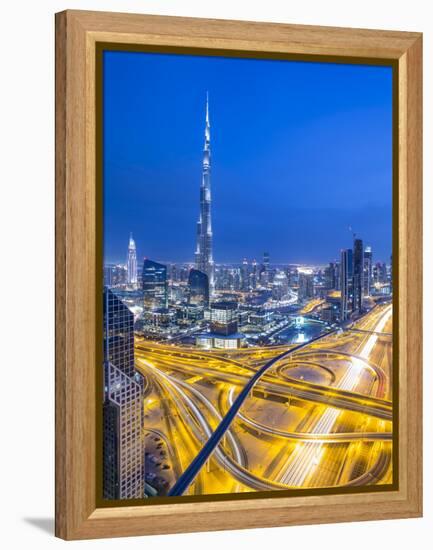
(78, 34)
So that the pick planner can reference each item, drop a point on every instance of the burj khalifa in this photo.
(203, 253)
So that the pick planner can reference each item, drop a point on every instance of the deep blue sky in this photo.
(300, 152)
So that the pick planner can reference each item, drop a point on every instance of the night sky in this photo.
(301, 153)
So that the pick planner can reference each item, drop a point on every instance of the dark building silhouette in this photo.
(154, 284)
(331, 273)
(198, 284)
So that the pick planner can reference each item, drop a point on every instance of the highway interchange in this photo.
(280, 417)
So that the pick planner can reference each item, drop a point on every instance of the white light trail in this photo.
(307, 456)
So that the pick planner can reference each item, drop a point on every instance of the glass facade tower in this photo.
(198, 284)
(368, 270)
(358, 275)
(203, 253)
(155, 285)
(346, 270)
(123, 466)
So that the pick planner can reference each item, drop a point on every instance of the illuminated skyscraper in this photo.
(203, 253)
(224, 318)
(131, 264)
(368, 270)
(346, 281)
(358, 275)
(223, 325)
(122, 409)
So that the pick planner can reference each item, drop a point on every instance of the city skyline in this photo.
(131, 187)
(252, 259)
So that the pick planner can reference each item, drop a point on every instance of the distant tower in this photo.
(203, 253)
(245, 275)
(253, 275)
(131, 264)
(358, 275)
(368, 269)
(346, 271)
(330, 276)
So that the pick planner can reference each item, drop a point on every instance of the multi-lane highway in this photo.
(315, 415)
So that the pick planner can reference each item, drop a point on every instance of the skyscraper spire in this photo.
(203, 254)
(131, 263)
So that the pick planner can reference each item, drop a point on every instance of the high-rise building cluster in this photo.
(357, 277)
(352, 274)
(349, 282)
(182, 297)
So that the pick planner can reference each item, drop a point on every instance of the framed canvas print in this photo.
(238, 261)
